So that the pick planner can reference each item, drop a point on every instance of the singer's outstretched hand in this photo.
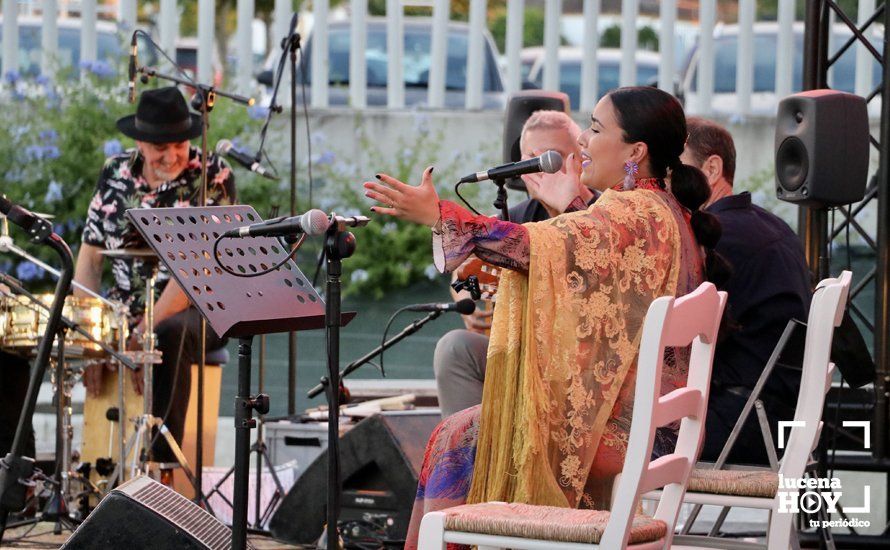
(418, 204)
(557, 190)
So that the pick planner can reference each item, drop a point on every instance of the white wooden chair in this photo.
(758, 488)
(694, 318)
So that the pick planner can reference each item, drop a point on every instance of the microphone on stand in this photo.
(38, 228)
(226, 148)
(314, 222)
(549, 162)
(131, 86)
(464, 307)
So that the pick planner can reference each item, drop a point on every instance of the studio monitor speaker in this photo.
(822, 148)
(380, 460)
(142, 514)
(520, 106)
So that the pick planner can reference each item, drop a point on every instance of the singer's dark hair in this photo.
(656, 118)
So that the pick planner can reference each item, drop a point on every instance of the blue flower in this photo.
(327, 157)
(53, 194)
(33, 152)
(28, 271)
(41, 152)
(12, 76)
(43, 80)
(99, 68)
(112, 147)
(49, 137)
(5, 266)
(58, 229)
(257, 112)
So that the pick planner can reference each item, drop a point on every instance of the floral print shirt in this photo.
(121, 186)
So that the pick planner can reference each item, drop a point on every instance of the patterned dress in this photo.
(558, 396)
(121, 186)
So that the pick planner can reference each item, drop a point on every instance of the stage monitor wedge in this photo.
(142, 514)
(380, 461)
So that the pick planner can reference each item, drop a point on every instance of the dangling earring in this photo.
(631, 169)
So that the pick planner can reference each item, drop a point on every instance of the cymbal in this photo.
(128, 253)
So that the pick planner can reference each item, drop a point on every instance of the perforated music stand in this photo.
(280, 301)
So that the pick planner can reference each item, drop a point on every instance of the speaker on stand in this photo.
(822, 148)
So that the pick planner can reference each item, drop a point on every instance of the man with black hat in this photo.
(164, 170)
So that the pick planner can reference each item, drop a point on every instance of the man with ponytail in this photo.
(770, 284)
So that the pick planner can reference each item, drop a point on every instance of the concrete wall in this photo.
(361, 143)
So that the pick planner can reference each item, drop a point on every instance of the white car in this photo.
(763, 96)
(415, 64)
(608, 62)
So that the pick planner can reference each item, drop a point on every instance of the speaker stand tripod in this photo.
(260, 517)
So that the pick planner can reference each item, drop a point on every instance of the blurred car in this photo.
(415, 64)
(608, 64)
(111, 46)
(842, 75)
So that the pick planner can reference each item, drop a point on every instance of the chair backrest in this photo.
(670, 322)
(826, 312)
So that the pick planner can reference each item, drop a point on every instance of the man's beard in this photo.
(165, 175)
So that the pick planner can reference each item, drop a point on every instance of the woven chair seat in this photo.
(742, 483)
(545, 523)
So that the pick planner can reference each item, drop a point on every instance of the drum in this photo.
(24, 324)
(101, 436)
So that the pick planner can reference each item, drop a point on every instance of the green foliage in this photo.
(767, 10)
(56, 137)
(391, 254)
(532, 28)
(647, 38)
(53, 143)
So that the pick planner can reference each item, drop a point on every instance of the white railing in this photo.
(593, 23)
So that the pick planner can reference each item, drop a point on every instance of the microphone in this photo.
(225, 148)
(314, 222)
(131, 86)
(464, 307)
(549, 162)
(38, 228)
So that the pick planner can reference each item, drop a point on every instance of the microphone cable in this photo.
(217, 258)
(461, 197)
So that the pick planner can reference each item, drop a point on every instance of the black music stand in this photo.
(280, 301)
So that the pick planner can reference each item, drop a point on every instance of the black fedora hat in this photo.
(162, 116)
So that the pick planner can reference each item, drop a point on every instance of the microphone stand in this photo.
(416, 325)
(500, 202)
(202, 101)
(15, 469)
(290, 44)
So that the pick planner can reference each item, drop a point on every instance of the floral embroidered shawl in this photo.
(564, 344)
